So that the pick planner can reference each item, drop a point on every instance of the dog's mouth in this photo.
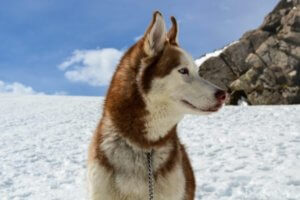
(214, 108)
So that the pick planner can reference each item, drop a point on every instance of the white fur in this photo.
(103, 185)
(163, 116)
(193, 88)
(164, 99)
(129, 180)
(100, 182)
(171, 89)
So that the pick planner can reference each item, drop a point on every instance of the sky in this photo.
(72, 47)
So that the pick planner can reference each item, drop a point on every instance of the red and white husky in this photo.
(155, 84)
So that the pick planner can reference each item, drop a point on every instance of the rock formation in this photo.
(264, 65)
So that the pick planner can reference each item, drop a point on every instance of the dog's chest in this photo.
(130, 172)
(131, 168)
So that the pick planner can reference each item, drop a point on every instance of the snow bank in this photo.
(240, 153)
(216, 53)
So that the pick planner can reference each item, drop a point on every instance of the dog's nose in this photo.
(220, 95)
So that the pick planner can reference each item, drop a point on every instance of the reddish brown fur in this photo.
(95, 153)
(125, 106)
(172, 35)
(161, 65)
(190, 184)
(170, 162)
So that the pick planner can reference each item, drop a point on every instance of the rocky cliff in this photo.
(264, 65)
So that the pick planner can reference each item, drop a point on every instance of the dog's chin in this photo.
(199, 110)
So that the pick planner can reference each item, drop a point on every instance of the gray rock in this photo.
(256, 37)
(264, 65)
(290, 31)
(217, 71)
(236, 54)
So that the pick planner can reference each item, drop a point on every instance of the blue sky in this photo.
(60, 46)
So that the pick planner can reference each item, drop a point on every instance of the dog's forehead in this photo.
(185, 58)
(163, 65)
(179, 55)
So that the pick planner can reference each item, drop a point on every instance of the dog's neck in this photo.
(161, 119)
(148, 127)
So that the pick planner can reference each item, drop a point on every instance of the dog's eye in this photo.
(183, 71)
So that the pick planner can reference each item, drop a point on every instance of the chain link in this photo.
(150, 175)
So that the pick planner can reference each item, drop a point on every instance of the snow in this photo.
(247, 152)
(207, 56)
(242, 101)
(216, 53)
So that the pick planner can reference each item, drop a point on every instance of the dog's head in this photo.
(169, 76)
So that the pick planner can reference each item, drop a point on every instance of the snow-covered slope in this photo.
(239, 153)
(215, 53)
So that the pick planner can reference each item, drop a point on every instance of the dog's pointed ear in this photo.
(156, 35)
(173, 32)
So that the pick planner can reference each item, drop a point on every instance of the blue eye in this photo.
(183, 71)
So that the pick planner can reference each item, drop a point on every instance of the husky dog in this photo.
(155, 84)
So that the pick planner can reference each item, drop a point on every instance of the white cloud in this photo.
(16, 88)
(94, 67)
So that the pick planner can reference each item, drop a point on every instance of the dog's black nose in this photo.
(220, 95)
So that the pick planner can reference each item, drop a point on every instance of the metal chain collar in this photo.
(150, 175)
